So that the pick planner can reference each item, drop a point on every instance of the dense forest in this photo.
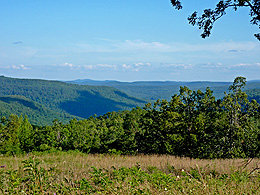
(43, 101)
(36, 113)
(48, 100)
(154, 90)
(193, 124)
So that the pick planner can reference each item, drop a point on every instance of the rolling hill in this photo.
(43, 101)
(65, 99)
(37, 113)
(253, 94)
(153, 90)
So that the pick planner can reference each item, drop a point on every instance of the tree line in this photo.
(193, 124)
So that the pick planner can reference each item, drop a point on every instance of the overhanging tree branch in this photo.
(209, 17)
(253, 8)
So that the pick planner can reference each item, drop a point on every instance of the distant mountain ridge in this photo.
(43, 101)
(67, 99)
(153, 90)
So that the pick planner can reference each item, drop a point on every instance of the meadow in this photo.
(79, 173)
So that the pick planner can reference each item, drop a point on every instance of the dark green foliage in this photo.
(16, 135)
(37, 113)
(43, 101)
(253, 94)
(9, 142)
(192, 124)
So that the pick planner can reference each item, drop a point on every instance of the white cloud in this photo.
(106, 65)
(175, 73)
(101, 67)
(68, 64)
(240, 65)
(139, 64)
(126, 66)
(184, 66)
(142, 45)
(135, 66)
(212, 65)
(89, 66)
(19, 67)
(246, 65)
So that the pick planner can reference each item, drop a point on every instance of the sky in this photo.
(134, 40)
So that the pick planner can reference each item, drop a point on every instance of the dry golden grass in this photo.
(74, 166)
(79, 162)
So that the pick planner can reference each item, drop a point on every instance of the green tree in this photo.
(151, 138)
(238, 119)
(210, 16)
(83, 135)
(9, 142)
(189, 120)
(26, 135)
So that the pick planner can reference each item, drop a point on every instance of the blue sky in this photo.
(123, 40)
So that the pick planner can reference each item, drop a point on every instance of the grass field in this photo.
(77, 173)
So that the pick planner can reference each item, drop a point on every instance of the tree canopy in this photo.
(210, 16)
(193, 124)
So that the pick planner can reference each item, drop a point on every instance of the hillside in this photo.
(80, 101)
(153, 90)
(43, 101)
(253, 94)
(38, 114)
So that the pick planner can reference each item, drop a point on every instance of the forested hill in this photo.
(253, 94)
(192, 124)
(69, 99)
(36, 113)
(153, 90)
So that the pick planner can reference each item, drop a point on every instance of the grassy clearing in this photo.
(77, 173)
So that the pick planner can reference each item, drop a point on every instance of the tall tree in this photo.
(238, 125)
(210, 16)
(9, 142)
